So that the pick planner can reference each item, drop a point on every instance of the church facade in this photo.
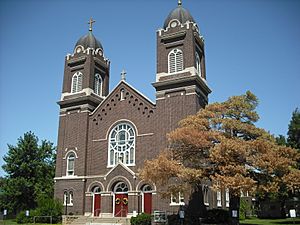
(105, 136)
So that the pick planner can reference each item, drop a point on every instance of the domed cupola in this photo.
(89, 40)
(179, 13)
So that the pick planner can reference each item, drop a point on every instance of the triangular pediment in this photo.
(126, 93)
(118, 169)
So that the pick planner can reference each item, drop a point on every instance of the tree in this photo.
(222, 144)
(293, 139)
(30, 171)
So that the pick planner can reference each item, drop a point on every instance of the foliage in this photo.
(141, 219)
(46, 207)
(244, 208)
(221, 143)
(280, 140)
(217, 216)
(22, 218)
(293, 139)
(30, 171)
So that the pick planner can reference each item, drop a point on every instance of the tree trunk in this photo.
(234, 209)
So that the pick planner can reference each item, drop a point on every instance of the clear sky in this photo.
(250, 45)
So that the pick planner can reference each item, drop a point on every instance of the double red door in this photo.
(147, 203)
(97, 204)
(121, 205)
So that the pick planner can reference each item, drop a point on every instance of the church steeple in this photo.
(181, 55)
(86, 76)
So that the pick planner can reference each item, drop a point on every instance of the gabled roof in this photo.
(124, 84)
(123, 166)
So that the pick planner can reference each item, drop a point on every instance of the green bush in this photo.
(244, 208)
(141, 219)
(22, 218)
(46, 207)
(49, 207)
(217, 216)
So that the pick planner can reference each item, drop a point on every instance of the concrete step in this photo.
(83, 220)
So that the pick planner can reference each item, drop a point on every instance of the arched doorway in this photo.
(147, 199)
(96, 200)
(121, 199)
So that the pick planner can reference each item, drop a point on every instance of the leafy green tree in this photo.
(280, 140)
(30, 170)
(293, 139)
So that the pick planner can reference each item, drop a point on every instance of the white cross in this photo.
(123, 75)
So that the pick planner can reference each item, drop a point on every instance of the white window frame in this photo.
(175, 64)
(70, 172)
(76, 82)
(70, 195)
(219, 198)
(177, 199)
(198, 64)
(121, 150)
(227, 197)
(98, 83)
(205, 190)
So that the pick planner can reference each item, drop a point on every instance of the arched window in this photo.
(98, 85)
(121, 145)
(175, 60)
(198, 64)
(77, 82)
(96, 189)
(68, 198)
(121, 187)
(146, 188)
(70, 164)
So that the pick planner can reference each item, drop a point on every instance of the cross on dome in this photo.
(91, 21)
(179, 2)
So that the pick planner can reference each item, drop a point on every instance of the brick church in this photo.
(105, 136)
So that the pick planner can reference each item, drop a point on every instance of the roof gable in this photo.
(133, 96)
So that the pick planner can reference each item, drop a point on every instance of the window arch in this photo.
(198, 64)
(68, 198)
(70, 164)
(121, 187)
(77, 82)
(146, 188)
(175, 61)
(96, 190)
(98, 84)
(121, 146)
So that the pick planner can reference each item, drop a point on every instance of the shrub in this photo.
(22, 218)
(217, 216)
(141, 219)
(49, 207)
(244, 208)
(46, 207)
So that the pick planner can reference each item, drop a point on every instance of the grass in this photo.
(270, 221)
(13, 222)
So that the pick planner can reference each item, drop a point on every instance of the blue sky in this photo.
(250, 45)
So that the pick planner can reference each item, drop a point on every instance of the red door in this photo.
(97, 204)
(121, 205)
(147, 203)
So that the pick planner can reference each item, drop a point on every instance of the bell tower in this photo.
(86, 74)
(181, 86)
(85, 85)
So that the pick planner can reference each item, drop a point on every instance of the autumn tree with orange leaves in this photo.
(221, 144)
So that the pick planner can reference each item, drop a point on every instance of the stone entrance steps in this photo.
(83, 220)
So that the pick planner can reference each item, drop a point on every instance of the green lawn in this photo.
(270, 221)
(12, 222)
